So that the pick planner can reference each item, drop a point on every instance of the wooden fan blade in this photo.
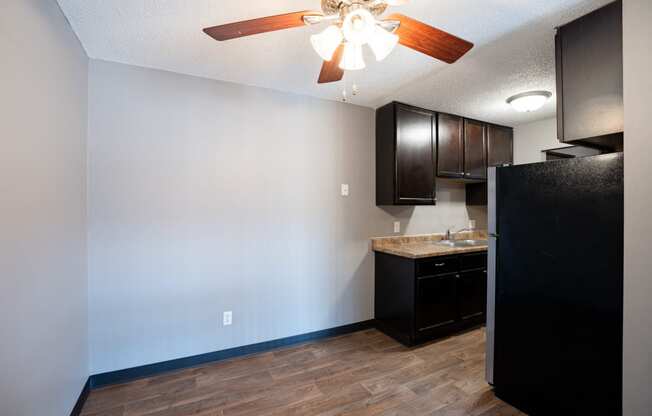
(256, 26)
(330, 70)
(429, 40)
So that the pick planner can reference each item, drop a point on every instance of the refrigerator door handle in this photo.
(491, 273)
(491, 309)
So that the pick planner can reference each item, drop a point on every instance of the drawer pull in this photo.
(440, 264)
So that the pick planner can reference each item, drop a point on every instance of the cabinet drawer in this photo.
(438, 265)
(473, 261)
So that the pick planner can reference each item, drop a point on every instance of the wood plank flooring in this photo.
(364, 373)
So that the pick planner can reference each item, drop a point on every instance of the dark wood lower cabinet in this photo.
(417, 300)
(435, 304)
(472, 298)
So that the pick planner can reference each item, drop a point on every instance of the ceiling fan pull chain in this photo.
(344, 88)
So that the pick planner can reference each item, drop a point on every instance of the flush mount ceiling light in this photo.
(530, 101)
(353, 24)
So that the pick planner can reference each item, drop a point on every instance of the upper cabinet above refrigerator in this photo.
(589, 60)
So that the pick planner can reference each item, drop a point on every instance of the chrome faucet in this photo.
(451, 235)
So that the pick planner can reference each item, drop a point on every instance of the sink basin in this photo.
(462, 243)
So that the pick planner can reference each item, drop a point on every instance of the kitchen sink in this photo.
(462, 243)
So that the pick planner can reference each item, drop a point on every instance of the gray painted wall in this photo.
(43, 283)
(207, 196)
(532, 138)
(637, 15)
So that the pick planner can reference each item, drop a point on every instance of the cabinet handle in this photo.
(440, 264)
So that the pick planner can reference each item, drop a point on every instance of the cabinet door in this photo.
(500, 145)
(415, 167)
(472, 293)
(450, 146)
(475, 150)
(589, 57)
(436, 301)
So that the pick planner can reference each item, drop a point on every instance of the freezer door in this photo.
(491, 273)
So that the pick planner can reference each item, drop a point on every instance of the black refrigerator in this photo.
(555, 286)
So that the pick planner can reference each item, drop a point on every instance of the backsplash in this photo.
(450, 212)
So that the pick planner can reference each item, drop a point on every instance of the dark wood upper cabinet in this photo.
(475, 150)
(414, 146)
(500, 152)
(405, 155)
(450, 146)
(589, 60)
(500, 145)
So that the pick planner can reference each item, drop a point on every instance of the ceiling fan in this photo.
(354, 24)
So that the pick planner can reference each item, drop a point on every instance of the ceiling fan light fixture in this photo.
(359, 26)
(326, 42)
(355, 25)
(383, 43)
(352, 59)
(530, 101)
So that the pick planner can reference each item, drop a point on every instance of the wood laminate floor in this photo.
(364, 373)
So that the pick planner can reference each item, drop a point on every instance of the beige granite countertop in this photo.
(422, 246)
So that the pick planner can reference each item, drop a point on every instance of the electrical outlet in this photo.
(345, 189)
(472, 224)
(397, 226)
(227, 318)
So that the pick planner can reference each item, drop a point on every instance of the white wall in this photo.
(637, 15)
(43, 286)
(532, 138)
(207, 196)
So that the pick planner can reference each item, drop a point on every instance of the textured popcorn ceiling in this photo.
(514, 49)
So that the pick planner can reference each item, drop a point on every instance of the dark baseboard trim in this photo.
(76, 411)
(130, 374)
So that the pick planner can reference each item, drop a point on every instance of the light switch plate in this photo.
(227, 318)
(345, 189)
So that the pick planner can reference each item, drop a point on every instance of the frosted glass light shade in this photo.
(352, 59)
(382, 43)
(528, 102)
(326, 42)
(359, 26)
